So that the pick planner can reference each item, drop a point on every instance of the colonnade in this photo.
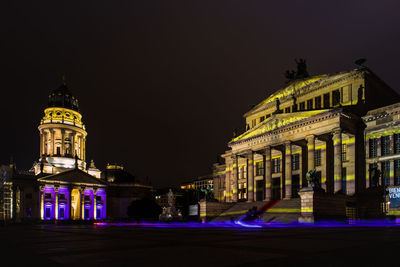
(53, 138)
(332, 166)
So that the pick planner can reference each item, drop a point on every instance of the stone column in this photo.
(70, 216)
(56, 202)
(82, 203)
(72, 137)
(41, 188)
(329, 168)
(288, 170)
(250, 175)
(392, 172)
(52, 142)
(311, 149)
(41, 144)
(81, 147)
(337, 160)
(379, 148)
(235, 179)
(268, 173)
(351, 165)
(323, 167)
(62, 142)
(228, 183)
(94, 203)
(84, 149)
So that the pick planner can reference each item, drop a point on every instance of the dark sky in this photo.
(162, 84)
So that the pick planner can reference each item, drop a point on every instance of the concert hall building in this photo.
(341, 124)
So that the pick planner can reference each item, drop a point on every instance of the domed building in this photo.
(62, 135)
(60, 186)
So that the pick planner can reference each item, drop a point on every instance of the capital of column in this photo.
(310, 138)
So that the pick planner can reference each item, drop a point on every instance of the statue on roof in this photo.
(301, 72)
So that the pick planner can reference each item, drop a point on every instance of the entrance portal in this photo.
(259, 190)
(76, 204)
(276, 188)
(295, 185)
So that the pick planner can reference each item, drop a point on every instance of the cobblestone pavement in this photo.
(87, 245)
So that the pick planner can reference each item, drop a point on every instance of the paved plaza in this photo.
(88, 245)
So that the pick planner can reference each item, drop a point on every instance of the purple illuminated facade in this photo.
(72, 195)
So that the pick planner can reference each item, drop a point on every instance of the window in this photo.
(295, 162)
(344, 151)
(253, 123)
(98, 198)
(386, 173)
(260, 168)
(267, 116)
(262, 118)
(47, 195)
(317, 157)
(87, 198)
(335, 98)
(371, 167)
(385, 145)
(287, 110)
(61, 196)
(302, 106)
(58, 150)
(276, 165)
(373, 148)
(326, 100)
(396, 143)
(318, 102)
(309, 104)
(294, 108)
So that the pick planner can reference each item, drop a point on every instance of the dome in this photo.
(63, 98)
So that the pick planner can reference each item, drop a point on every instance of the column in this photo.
(81, 147)
(268, 173)
(288, 170)
(323, 168)
(41, 144)
(351, 165)
(82, 203)
(250, 175)
(71, 216)
(56, 202)
(62, 142)
(41, 188)
(94, 203)
(84, 149)
(310, 149)
(72, 137)
(227, 183)
(337, 160)
(392, 172)
(235, 179)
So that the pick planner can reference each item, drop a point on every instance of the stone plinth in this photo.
(211, 209)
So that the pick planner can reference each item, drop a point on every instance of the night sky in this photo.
(163, 84)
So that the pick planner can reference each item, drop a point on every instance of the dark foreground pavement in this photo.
(86, 245)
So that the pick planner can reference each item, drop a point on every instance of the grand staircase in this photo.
(267, 211)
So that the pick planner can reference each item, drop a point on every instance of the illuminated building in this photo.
(313, 123)
(61, 186)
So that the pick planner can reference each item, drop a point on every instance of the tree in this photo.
(144, 209)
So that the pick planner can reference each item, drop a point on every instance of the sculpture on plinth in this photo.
(313, 180)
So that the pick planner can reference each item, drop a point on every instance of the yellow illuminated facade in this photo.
(312, 123)
(62, 135)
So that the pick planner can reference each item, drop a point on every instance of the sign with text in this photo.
(193, 210)
(394, 197)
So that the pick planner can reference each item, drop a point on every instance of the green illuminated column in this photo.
(268, 173)
(337, 160)
(288, 170)
(250, 173)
